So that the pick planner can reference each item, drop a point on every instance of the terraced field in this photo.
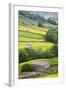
(30, 35)
(34, 29)
(37, 45)
(35, 38)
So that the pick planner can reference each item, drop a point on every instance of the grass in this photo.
(33, 34)
(22, 38)
(30, 35)
(48, 76)
(36, 45)
(33, 29)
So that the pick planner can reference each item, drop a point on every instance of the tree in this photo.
(55, 49)
(52, 36)
(23, 56)
(52, 21)
(40, 24)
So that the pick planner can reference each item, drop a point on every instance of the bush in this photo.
(55, 50)
(40, 25)
(48, 54)
(52, 21)
(26, 68)
(27, 54)
(52, 36)
(23, 56)
(30, 54)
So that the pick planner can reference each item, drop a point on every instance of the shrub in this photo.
(32, 54)
(26, 68)
(52, 21)
(27, 54)
(23, 56)
(48, 54)
(40, 24)
(52, 36)
(55, 49)
(53, 52)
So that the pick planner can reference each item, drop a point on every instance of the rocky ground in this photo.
(40, 69)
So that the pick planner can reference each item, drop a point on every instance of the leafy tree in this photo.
(23, 56)
(55, 50)
(40, 24)
(52, 36)
(52, 21)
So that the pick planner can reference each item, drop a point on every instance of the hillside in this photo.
(32, 18)
(37, 44)
(33, 25)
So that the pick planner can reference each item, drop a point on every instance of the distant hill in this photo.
(36, 18)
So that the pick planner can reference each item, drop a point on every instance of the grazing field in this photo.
(30, 35)
(35, 39)
(34, 29)
(37, 45)
(23, 38)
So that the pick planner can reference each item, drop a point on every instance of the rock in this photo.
(40, 66)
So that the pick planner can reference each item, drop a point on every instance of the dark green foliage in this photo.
(52, 36)
(26, 68)
(40, 24)
(48, 54)
(27, 54)
(55, 49)
(23, 56)
(30, 54)
(53, 52)
(52, 21)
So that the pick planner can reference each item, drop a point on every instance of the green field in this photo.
(23, 38)
(35, 39)
(32, 29)
(30, 35)
(37, 45)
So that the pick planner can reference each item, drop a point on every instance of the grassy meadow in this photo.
(37, 45)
